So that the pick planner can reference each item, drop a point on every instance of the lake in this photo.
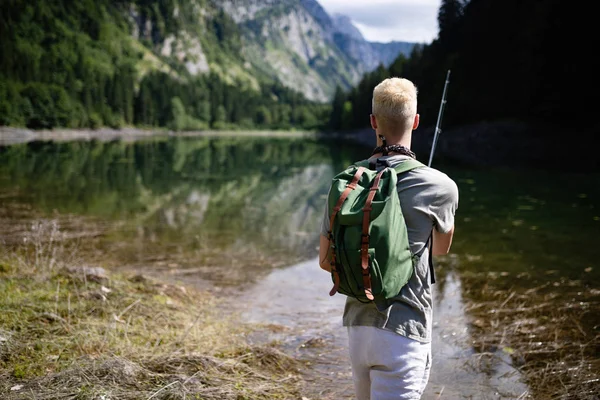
(518, 299)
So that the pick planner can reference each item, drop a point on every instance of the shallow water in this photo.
(240, 216)
(297, 298)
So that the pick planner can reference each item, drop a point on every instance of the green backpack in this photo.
(370, 255)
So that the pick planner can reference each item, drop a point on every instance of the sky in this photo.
(387, 20)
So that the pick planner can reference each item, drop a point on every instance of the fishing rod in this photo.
(439, 120)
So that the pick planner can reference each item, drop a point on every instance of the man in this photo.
(390, 349)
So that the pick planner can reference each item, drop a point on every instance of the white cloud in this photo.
(386, 20)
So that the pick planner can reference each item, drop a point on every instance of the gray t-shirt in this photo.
(429, 198)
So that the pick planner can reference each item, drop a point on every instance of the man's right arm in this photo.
(443, 207)
(442, 242)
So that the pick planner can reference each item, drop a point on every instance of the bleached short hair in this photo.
(395, 103)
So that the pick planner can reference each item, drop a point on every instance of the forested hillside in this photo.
(526, 61)
(170, 63)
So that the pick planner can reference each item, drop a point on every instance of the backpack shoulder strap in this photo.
(349, 187)
(362, 163)
(404, 166)
(408, 165)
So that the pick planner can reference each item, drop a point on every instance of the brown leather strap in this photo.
(364, 248)
(350, 187)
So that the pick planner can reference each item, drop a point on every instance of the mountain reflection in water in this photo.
(197, 203)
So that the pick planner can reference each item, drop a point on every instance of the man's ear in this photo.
(373, 122)
(416, 122)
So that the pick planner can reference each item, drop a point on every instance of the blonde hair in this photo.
(395, 104)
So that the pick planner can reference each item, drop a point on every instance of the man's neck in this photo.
(403, 140)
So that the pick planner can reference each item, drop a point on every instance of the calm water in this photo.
(241, 216)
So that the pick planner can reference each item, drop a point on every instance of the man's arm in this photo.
(441, 242)
(324, 256)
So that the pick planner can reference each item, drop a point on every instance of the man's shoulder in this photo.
(432, 182)
(431, 175)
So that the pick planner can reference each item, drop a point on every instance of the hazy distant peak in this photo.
(343, 24)
(317, 11)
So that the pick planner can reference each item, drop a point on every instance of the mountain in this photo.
(388, 52)
(292, 41)
(184, 64)
(345, 27)
(368, 55)
(301, 45)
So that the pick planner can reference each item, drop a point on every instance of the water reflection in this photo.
(203, 203)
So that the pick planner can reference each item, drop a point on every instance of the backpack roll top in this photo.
(371, 258)
(351, 212)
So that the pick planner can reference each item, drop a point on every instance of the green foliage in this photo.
(220, 114)
(226, 31)
(263, 116)
(347, 115)
(179, 115)
(95, 121)
(46, 106)
(181, 121)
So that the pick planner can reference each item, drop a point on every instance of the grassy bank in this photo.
(68, 330)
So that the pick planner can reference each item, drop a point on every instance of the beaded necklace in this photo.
(385, 149)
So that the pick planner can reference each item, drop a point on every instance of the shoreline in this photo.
(12, 135)
(497, 144)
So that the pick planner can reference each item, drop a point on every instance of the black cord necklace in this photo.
(385, 149)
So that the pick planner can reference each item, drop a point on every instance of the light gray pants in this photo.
(386, 365)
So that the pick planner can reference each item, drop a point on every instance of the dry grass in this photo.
(71, 331)
(541, 329)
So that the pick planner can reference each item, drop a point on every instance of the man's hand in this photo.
(324, 254)
(441, 242)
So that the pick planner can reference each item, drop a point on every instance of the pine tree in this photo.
(337, 109)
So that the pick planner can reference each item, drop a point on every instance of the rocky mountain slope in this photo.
(294, 42)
